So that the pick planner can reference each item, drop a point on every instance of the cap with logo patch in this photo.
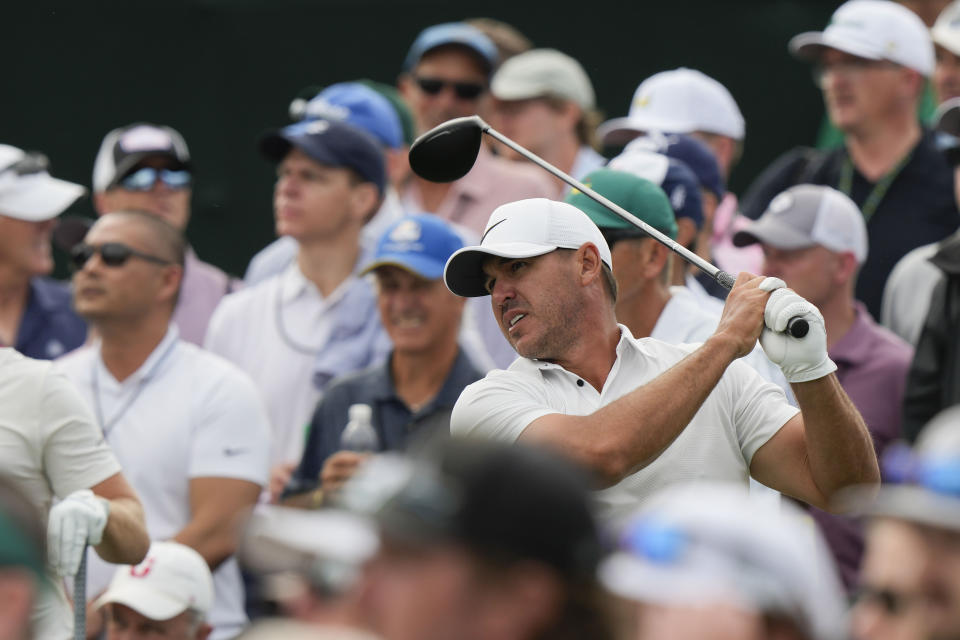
(677, 101)
(639, 196)
(27, 191)
(124, 148)
(672, 176)
(419, 243)
(806, 215)
(361, 106)
(522, 229)
(875, 30)
(330, 143)
(171, 579)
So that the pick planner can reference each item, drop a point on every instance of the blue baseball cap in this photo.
(361, 106)
(419, 243)
(458, 33)
(693, 153)
(331, 143)
(673, 176)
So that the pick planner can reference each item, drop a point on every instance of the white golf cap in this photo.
(806, 215)
(171, 579)
(522, 229)
(27, 191)
(875, 30)
(678, 101)
(946, 30)
(540, 73)
(710, 543)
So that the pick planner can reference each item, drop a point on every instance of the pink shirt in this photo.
(492, 182)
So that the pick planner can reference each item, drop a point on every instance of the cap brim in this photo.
(773, 234)
(421, 266)
(464, 274)
(148, 602)
(619, 131)
(276, 145)
(905, 502)
(635, 579)
(39, 197)
(809, 46)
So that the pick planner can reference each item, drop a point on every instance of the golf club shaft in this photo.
(796, 327)
(722, 277)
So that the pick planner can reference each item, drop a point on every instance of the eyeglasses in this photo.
(463, 90)
(32, 162)
(143, 179)
(113, 254)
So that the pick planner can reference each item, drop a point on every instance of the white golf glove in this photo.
(800, 359)
(75, 521)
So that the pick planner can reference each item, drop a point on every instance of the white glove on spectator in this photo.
(800, 359)
(75, 521)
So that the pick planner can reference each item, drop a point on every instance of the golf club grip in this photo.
(80, 599)
(796, 327)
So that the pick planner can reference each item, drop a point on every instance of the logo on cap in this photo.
(145, 139)
(781, 203)
(406, 231)
(320, 108)
(316, 127)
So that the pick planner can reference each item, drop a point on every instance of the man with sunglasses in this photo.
(35, 314)
(189, 427)
(147, 167)
(446, 75)
(872, 62)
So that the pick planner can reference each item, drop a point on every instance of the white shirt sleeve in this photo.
(499, 407)
(760, 408)
(75, 454)
(232, 432)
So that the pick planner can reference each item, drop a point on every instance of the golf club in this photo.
(449, 150)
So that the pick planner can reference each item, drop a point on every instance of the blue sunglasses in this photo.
(144, 179)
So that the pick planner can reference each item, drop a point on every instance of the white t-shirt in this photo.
(185, 413)
(273, 331)
(49, 446)
(738, 417)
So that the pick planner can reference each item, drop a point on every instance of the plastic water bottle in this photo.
(359, 434)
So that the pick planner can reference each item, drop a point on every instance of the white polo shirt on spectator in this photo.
(185, 413)
(50, 446)
(738, 417)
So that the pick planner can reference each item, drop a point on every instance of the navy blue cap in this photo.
(331, 143)
(674, 177)
(459, 33)
(361, 106)
(419, 243)
(693, 153)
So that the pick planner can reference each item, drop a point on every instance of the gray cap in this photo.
(541, 73)
(806, 215)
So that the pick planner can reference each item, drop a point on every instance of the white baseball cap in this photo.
(522, 229)
(946, 30)
(27, 191)
(171, 579)
(875, 30)
(543, 72)
(806, 215)
(704, 543)
(678, 101)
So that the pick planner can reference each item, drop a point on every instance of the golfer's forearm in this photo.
(125, 539)
(839, 448)
(631, 432)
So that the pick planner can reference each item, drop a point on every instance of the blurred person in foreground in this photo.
(22, 576)
(922, 491)
(168, 595)
(701, 562)
(35, 314)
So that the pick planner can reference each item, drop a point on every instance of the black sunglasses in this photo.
(113, 254)
(464, 90)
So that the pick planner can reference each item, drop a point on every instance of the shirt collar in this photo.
(152, 365)
(293, 284)
(856, 346)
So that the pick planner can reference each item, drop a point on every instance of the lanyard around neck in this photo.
(876, 195)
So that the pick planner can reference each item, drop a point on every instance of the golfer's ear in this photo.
(590, 263)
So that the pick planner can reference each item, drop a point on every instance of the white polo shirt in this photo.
(274, 331)
(738, 417)
(185, 413)
(49, 446)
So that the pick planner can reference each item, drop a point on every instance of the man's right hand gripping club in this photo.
(800, 359)
(77, 520)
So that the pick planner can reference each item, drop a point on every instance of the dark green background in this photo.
(223, 71)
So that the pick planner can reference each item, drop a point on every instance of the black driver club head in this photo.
(447, 152)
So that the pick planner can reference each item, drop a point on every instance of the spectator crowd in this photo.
(493, 407)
